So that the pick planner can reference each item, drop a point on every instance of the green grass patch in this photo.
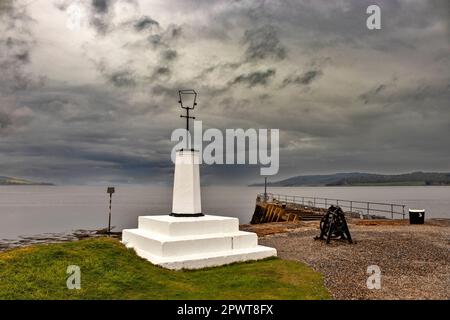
(110, 271)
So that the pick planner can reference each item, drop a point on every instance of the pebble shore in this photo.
(414, 259)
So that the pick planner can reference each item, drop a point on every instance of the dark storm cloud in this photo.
(77, 104)
(169, 54)
(101, 6)
(154, 39)
(14, 12)
(324, 24)
(16, 44)
(123, 78)
(233, 105)
(218, 69)
(144, 23)
(368, 96)
(174, 31)
(14, 116)
(23, 56)
(304, 79)
(151, 36)
(325, 79)
(111, 165)
(101, 14)
(163, 90)
(256, 78)
(162, 71)
(5, 6)
(163, 68)
(263, 43)
(152, 33)
(165, 38)
(5, 120)
(162, 38)
(412, 98)
(103, 159)
(84, 128)
(120, 77)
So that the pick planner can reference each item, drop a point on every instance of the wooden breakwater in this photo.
(283, 208)
(277, 211)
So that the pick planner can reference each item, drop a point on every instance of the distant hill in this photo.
(9, 181)
(365, 179)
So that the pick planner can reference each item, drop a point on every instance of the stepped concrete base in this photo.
(193, 242)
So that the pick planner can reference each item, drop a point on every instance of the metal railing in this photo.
(362, 207)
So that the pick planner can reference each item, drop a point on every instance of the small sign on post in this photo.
(110, 190)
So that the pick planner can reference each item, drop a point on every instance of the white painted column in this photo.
(186, 199)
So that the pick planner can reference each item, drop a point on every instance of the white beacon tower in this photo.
(187, 238)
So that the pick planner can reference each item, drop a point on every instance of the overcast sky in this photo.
(93, 101)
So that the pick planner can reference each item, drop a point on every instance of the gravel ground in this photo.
(414, 259)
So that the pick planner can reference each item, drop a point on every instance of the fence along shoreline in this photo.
(277, 207)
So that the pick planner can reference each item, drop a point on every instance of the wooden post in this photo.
(271, 213)
(274, 214)
(266, 218)
(110, 190)
(109, 217)
(265, 189)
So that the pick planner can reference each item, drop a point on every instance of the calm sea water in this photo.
(31, 210)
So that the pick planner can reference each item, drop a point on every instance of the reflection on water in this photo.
(29, 210)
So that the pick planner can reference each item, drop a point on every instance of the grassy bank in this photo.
(110, 271)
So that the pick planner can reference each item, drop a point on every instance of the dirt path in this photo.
(414, 259)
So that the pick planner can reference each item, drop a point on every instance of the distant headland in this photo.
(9, 181)
(365, 179)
